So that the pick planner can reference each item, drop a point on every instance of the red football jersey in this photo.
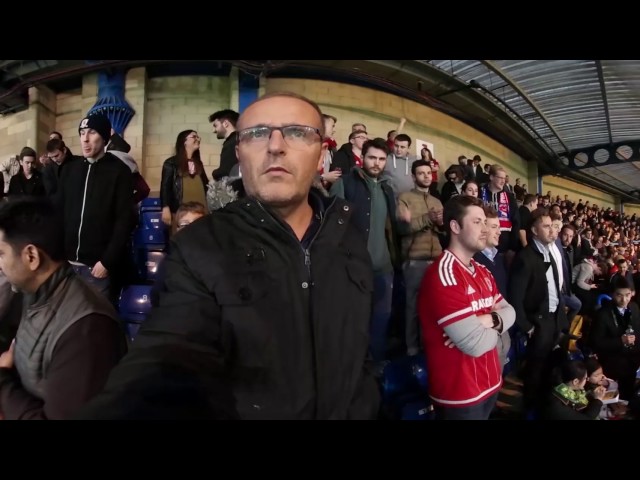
(451, 292)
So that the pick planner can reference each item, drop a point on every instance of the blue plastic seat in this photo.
(151, 219)
(601, 298)
(135, 303)
(149, 238)
(148, 263)
(150, 204)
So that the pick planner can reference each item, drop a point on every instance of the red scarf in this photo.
(331, 143)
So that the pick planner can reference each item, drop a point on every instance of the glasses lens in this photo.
(295, 136)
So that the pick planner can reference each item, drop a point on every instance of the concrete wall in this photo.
(562, 186)
(381, 112)
(180, 103)
(631, 209)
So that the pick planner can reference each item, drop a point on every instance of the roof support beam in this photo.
(603, 90)
(498, 71)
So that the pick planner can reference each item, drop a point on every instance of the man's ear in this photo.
(455, 227)
(32, 257)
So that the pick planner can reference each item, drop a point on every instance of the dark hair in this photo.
(390, 132)
(56, 133)
(417, 164)
(227, 114)
(403, 137)
(490, 212)
(55, 144)
(119, 144)
(467, 183)
(620, 282)
(33, 220)
(537, 215)
(575, 369)
(568, 226)
(27, 152)
(378, 143)
(424, 147)
(456, 209)
(181, 155)
(591, 364)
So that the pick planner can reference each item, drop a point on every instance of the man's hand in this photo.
(166, 216)
(404, 213)
(486, 320)
(6, 359)
(44, 160)
(98, 271)
(599, 392)
(447, 341)
(331, 177)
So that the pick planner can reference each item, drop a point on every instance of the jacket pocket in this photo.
(360, 277)
(241, 298)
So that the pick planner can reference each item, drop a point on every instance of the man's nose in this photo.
(276, 142)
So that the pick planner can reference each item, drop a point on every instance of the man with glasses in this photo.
(495, 195)
(350, 154)
(58, 155)
(266, 304)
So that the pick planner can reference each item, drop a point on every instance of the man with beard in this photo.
(420, 215)
(374, 214)
(224, 126)
(463, 314)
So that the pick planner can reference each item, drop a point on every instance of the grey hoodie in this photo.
(398, 173)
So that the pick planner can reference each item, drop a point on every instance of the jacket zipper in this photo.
(307, 263)
(84, 200)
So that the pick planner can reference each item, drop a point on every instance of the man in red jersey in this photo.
(463, 314)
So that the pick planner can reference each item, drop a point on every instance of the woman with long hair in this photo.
(183, 176)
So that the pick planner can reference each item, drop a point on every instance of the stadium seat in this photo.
(151, 220)
(148, 262)
(134, 305)
(150, 204)
(149, 238)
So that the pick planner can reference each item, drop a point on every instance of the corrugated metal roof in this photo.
(570, 104)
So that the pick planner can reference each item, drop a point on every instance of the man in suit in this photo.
(574, 304)
(534, 292)
(494, 261)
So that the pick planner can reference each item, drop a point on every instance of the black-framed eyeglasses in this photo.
(296, 136)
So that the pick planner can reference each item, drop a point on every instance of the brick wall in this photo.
(180, 103)
(381, 112)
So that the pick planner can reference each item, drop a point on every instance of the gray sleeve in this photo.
(583, 276)
(471, 337)
(507, 313)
